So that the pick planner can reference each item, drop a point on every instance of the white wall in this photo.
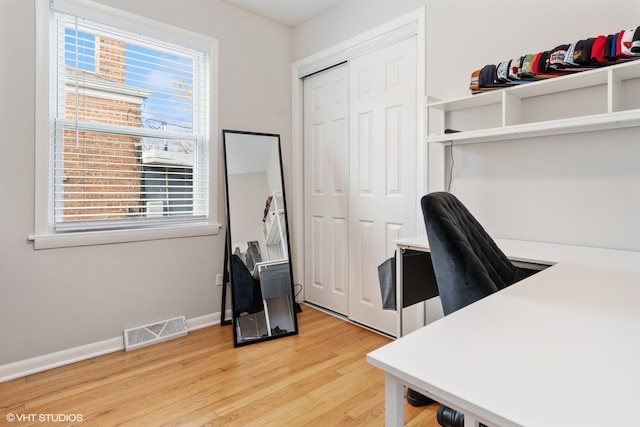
(579, 189)
(57, 299)
(247, 197)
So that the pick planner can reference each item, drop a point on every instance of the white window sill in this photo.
(67, 240)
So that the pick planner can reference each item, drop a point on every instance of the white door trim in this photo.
(405, 26)
(367, 46)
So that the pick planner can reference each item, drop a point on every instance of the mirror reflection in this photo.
(259, 264)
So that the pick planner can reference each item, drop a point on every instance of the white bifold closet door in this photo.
(326, 188)
(360, 178)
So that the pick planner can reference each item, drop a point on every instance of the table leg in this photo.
(399, 289)
(470, 421)
(394, 401)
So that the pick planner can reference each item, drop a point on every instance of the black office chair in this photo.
(468, 264)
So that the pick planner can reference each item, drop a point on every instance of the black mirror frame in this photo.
(228, 265)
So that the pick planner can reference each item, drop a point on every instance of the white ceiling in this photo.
(287, 12)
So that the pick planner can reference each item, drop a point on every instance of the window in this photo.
(129, 123)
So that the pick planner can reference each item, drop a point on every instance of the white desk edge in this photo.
(537, 252)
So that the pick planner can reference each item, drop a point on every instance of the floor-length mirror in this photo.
(259, 259)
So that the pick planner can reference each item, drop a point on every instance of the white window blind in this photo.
(130, 129)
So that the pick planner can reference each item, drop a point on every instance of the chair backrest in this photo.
(468, 264)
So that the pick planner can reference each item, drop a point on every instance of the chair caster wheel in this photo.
(448, 417)
(417, 399)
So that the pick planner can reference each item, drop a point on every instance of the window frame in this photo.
(44, 235)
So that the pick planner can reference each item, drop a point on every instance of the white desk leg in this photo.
(399, 288)
(470, 421)
(394, 401)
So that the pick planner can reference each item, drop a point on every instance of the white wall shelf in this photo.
(599, 99)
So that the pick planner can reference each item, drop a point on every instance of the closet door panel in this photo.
(382, 202)
(326, 163)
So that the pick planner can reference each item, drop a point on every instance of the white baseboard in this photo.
(45, 362)
(203, 321)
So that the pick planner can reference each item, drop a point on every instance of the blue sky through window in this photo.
(169, 78)
(80, 53)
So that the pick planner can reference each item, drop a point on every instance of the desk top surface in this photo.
(560, 348)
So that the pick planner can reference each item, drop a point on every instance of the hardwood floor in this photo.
(317, 378)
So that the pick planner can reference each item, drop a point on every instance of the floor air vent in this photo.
(153, 333)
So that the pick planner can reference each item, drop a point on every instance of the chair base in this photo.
(417, 399)
(448, 417)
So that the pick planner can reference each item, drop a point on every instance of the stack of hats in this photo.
(581, 55)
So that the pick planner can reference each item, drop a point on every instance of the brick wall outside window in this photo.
(86, 187)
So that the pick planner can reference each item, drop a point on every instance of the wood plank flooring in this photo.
(319, 377)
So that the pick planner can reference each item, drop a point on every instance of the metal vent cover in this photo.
(142, 336)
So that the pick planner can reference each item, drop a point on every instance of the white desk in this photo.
(561, 348)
